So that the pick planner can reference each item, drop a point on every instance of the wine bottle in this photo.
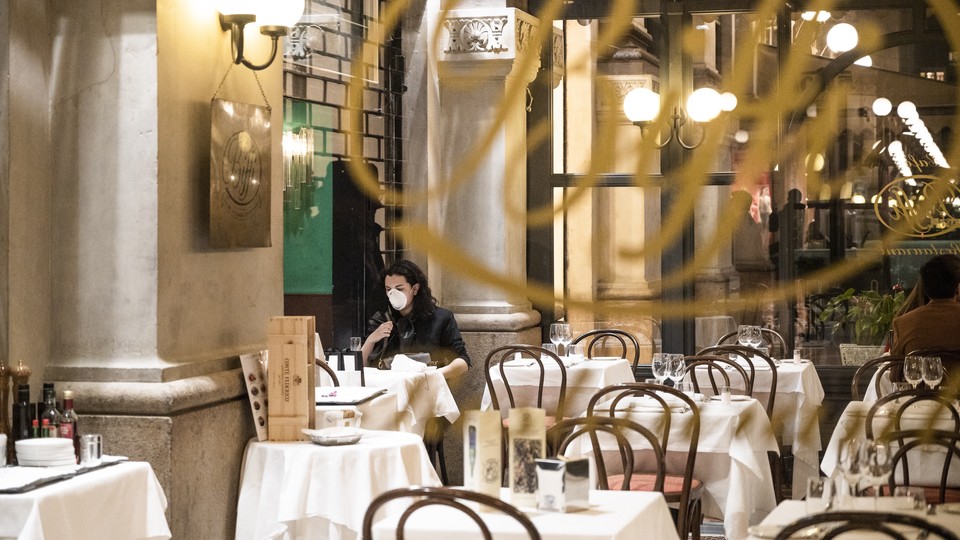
(68, 423)
(22, 414)
(51, 416)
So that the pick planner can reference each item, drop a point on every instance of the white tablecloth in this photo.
(789, 511)
(613, 515)
(420, 396)
(583, 380)
(731, 459)
(302, 490)
(925, 466)
(119, 501)
(795, 413)
(379, 413)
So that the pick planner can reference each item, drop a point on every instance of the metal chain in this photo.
(260, 86)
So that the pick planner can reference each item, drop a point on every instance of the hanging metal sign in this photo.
(239, 175)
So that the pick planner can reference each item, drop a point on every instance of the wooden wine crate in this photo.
(290, 372)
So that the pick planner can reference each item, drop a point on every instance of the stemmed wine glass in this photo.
(743, 335)
(566, 336)
(875, 465)
(913, 370)
(676, 368)
(659, 366)
(754, 337)
(558, 333)
(850, 468)
(932, 371)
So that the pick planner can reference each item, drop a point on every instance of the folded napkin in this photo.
(402, 362)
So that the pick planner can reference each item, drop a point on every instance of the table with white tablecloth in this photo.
(925, 465)
(303, 490)
(118, 501)
(613, 515)
(795, 412)
(583, 380)
(420, 396)
(789, 511)
(731, 457)
(379, 412)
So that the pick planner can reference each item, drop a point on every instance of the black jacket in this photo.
(437, 334)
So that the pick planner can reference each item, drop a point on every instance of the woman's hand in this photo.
(382, 332)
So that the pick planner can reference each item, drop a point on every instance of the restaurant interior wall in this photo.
(146, 320)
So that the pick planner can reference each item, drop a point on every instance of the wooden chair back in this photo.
(627, 343)
(451, 498)
(328, 370)
(924, 440)
(883, 364)
(536, 355)
(749, 354)
(882, 523)
(713, 365)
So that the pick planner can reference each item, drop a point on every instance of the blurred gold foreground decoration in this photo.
(765, 115)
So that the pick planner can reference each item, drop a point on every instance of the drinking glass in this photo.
(659, 366)
(850, 469)
(932, 371)
(819, 495)
(743, 335)
(556, 335)
(552, 347)
(676, 368)
(355, 343)
(875, 465)
(575, 352)
(909, 498)
(566, 336)
(913, 370)
(754, 337)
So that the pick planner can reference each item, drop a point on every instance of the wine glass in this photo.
(913, 370)
(932, 371)
(754, 337)
(556, 335)
(875, 465)
(659, 366)
(565, 337)
(850, 468)
(743, 335)
(676, 368)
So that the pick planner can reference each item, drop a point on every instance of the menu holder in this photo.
(527, 443)
(482, 468)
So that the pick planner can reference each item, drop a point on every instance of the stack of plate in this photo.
(51, 452)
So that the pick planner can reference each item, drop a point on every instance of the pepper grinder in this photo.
(18, 375)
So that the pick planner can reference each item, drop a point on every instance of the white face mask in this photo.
(397, 299)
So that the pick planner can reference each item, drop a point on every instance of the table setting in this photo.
(420, 395)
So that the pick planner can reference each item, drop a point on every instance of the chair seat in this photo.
(672, 484)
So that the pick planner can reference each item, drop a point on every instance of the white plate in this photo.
(334, 436)
(605, 358)
(734, 397)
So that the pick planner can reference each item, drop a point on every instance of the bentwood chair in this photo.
(886, 525)
(924, 442)
(682, 491)
(604, 339)
(328, 370)
(892, 365)
(748, 355)
(935, 407)
(778, 345)
(499, 358)
(451, 498)
(950, 358)
(717, 365)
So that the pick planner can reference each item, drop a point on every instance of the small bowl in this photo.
(334, 436)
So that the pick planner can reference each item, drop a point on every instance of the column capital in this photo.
(488, 43)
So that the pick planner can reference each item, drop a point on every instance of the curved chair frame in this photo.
(449, 497)
(949, 358)
(328, 370)
(688, 501)
(499, 355)
(882, 365)
(748, 354)
(844, 522)
(910, 398)
(924, 438)
(717, 364)
(624, 338)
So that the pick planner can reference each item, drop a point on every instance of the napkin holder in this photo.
(563, 485)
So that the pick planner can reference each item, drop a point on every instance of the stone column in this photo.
(479, 57)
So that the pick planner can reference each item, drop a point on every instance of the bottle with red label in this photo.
(68, 422)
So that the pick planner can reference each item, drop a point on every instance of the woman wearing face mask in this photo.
(415, 324)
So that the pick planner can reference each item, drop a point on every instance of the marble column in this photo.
(113, 290)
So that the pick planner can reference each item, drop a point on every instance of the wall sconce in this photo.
(298, 149)
(275, 18)
(642, 106)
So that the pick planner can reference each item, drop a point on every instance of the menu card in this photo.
(481, 452)
(527, 443)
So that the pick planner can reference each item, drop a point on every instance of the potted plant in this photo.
(869, 315)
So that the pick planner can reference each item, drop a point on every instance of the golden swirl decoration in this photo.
(920, 206)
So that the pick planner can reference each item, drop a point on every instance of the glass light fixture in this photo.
(728, 101)
(864, 61)
(906, 109)
(703, 105)
(274, 16)
(842, 38)
(641, 105)
(820, 16)
(882, 106)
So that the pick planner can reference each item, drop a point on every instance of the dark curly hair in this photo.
(423, 302)
(940, 276)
